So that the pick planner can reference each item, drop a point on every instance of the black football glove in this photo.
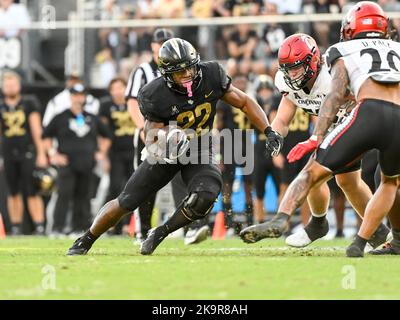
(274, 142)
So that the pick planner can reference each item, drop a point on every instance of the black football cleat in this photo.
(270, 229)
(78, 248)
(387, 249)
(354, 251)
(380, 236)
(154, 238)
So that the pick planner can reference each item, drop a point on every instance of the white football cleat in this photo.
(196, 235)
(298, 239)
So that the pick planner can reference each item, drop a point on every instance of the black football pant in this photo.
(73, 188)
(148, 179)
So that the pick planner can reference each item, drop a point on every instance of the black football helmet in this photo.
(177, 55)
(45, 180)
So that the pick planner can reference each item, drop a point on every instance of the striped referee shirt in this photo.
(140, 76)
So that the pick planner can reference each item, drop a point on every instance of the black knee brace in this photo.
(198, 204)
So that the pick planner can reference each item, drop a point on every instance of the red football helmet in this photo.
(364, 20)
(299, 50)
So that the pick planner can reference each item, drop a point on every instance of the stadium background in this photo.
(85, 37)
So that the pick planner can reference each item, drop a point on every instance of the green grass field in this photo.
(36, 268)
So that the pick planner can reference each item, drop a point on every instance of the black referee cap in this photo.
(161, 35)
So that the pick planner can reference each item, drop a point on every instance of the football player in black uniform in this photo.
(231, 118)
(186, 94)
(264, 164)
(23, 149)
(114, 113)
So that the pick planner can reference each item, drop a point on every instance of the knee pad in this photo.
(198, 204)
(127, 202)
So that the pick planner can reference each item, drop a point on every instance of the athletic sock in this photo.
(396, 238)
(281, 216)
(16, 228)
(249, 213)
(88, 239)
(228, 213)
(317, 227)
(175, 222)
(39, 227)
(360, 242)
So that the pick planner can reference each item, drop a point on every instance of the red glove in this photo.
(302, 148)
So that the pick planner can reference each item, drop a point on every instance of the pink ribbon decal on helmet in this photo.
(188, 86)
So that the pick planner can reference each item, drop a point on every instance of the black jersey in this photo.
(120, 123)
(16, 132)
(268, 106)
(299, 130)
(158, 103)
(231, 117)
(77, 136)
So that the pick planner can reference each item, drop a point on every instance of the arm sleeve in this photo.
(331, 56)
(148, 110)
(225, 80)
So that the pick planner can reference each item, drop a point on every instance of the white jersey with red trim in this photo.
(364, 58)
(309, 102)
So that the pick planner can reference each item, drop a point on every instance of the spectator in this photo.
(110, 10)
(322, 28)
(222, 8)
(169, 9)
(62, 101)
(273, 34)
(77, 133)
(242, 42)
(107, 66)
(287, 6)
(146, 9)
(202, 8)
(200, 36)
(12, 14)
(246, 7)
(23, 150)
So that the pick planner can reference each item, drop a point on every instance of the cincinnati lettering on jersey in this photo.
(314, 103)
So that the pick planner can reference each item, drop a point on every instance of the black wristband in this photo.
(268, 130)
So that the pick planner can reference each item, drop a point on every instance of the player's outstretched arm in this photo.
(248, 105)
(285, 114)
(335, 98)
(257, 117)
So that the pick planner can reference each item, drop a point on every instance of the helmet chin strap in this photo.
(188, 86)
